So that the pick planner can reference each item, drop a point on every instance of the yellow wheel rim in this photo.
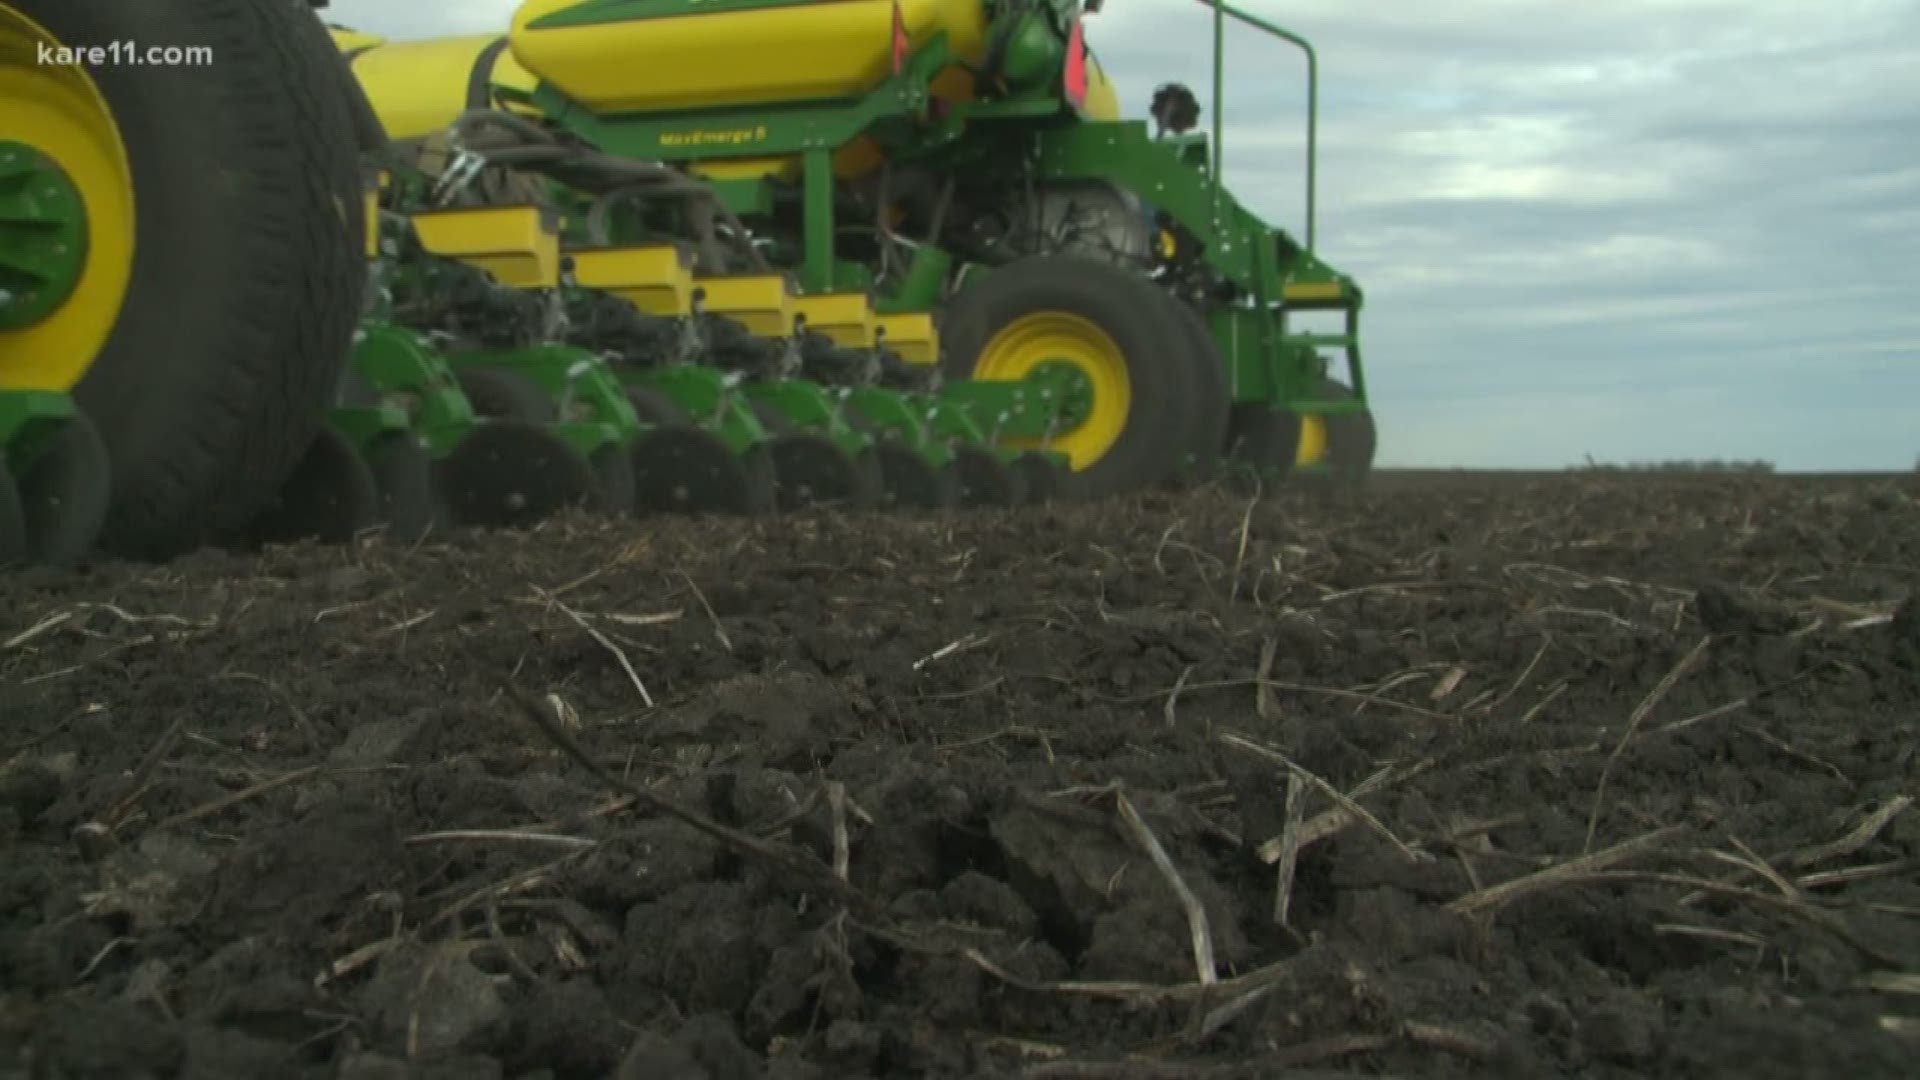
(1313, 441)
(59, 111)
(1058, 337)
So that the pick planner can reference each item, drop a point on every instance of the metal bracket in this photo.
(466, 168)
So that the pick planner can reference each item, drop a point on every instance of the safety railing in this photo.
(1221, 13)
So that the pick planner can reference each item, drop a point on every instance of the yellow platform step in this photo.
(913, 336)
(1313, 292)
(518, 245)
(763, 303)
(657, 279)
(845, 318)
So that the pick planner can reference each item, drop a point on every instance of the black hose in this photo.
(603, 205)
(602, 208)
(613, 173)
(510, 157)
(546, 149)
(520, 125)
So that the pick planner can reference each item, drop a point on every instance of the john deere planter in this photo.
(633, 257)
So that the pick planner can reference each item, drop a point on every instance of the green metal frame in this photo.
(920, 288)
(364, 424)
(1310, 269)
(417, 386)
(713, 398)
(904, 416)
(1221, 12)
(592, 407)
(812, 407)
(1031, 408)
(28, 418)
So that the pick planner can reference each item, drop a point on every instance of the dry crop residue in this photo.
(1583, 776)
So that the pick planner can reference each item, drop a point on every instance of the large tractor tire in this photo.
(1120, 336)
(213, 294)
(1212, 395)
(1263, 443)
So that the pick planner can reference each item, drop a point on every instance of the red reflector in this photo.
(1076, 75)
(901, 43)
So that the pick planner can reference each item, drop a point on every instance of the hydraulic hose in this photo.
(520, 125)
(538, 146)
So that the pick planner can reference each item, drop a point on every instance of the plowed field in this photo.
(1536, 776)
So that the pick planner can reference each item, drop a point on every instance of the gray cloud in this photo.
(1635, 229)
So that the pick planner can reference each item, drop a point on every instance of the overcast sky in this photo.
(1638, 230)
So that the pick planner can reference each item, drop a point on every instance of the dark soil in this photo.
(1590, 776)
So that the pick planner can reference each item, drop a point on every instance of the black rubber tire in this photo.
(909, 481)
(871, 480)
(1131, 311)
(66, 492)
(1352, 439)
(985, 481)
(509, 474)
(248, 266)
(504, 394)
(614, 482)
(761, 495)
(331, 496)
(13, 521)
(1262, 444)
(812, 472)
(1212, 403)
(688, 470)
(403, 475)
